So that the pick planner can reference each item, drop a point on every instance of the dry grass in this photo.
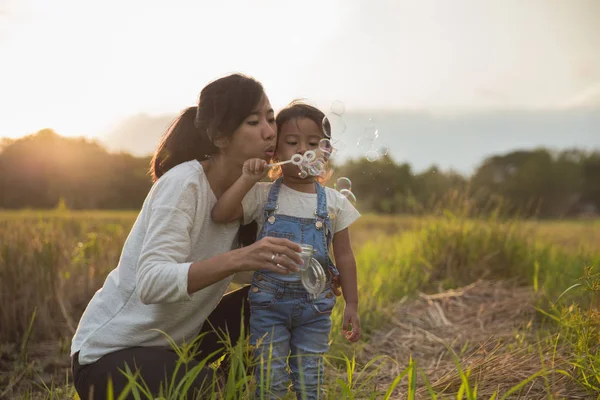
(490, 326)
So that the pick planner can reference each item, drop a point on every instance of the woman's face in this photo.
(255, 137)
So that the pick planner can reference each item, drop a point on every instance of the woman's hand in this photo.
(275, 254)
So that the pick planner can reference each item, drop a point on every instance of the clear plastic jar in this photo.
(306, 254)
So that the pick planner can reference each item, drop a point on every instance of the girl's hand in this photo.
(336, 286)
(351, 320)
(275, 254)
(254, 169)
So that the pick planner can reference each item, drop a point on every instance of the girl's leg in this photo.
(271, 373)
(310, 341)
(269, 327)
(156, 368)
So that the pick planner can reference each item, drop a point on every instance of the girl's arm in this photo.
(229, 205)
(346, 264)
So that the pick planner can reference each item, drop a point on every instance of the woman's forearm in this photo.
(204, 273)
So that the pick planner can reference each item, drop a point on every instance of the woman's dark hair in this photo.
(294, 111)
(222, 106)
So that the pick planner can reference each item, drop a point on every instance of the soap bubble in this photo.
(372, 155)
(297, 159)
(302, 174)
(349, 195)
(333, 125)
(371, 133)
(320, 165)
(325, 146)
(314, 278)
(317, 167)
(383, 150)
(365, 142)
(343, 183)
(337, 107)
(369, 136)
(309, 156)
(338, 145)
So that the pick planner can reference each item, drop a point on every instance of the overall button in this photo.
(255, 289)
(329, 295)
(319, 224)
(271, 219)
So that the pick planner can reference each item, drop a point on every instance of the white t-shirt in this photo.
(299, 204)
(148, 288)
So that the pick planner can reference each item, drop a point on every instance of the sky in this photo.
(79, 67)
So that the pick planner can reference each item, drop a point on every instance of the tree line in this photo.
(45, 170)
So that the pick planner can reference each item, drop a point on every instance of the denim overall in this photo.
(284, 316)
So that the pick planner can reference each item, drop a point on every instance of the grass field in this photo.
(451, 307)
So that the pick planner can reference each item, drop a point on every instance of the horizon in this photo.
(458, 142)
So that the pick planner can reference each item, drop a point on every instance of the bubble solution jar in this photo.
(306, 254)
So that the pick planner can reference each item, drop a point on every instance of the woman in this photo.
(176, 263)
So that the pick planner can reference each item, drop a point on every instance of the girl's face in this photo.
(296, 137)
(255, 137)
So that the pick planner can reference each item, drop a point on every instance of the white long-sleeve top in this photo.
(147, 291)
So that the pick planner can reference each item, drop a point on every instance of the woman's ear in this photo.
(221, 142)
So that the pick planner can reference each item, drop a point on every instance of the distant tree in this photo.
(42, 169)
(380, 186)
(532, 182)
(46, 170)
(591, 181)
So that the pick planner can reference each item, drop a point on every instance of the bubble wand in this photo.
(298, 159)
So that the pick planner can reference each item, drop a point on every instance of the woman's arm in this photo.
(164, 276)
(256, 256)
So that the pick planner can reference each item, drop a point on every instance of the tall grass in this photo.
(51, 263)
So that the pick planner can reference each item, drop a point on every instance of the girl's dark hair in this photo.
(222, 106)
(297, 109)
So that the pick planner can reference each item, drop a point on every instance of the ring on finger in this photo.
(273, 256)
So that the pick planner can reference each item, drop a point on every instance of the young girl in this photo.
(284, 317)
